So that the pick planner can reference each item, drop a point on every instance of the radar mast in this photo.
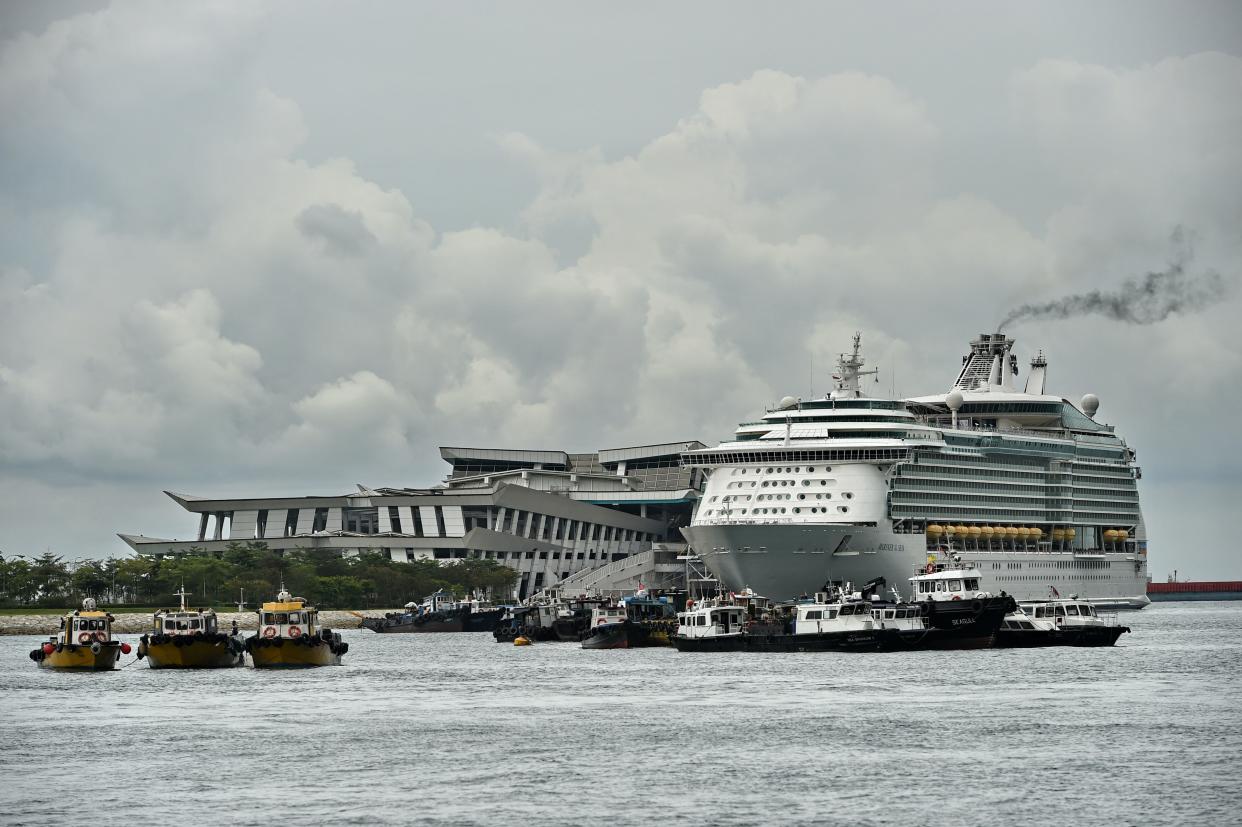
(849, 370)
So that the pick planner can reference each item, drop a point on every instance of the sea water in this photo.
(458, 729)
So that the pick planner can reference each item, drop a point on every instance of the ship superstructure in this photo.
(1025, 485)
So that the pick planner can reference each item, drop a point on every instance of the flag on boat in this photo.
(1055, 593)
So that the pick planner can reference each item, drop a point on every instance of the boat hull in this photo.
(193, 653)
(72, 656)
(1072, 636)
(457, 622)
(713, 643)
(275, 653)
(625, 635)
(862, 640)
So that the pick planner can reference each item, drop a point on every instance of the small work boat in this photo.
(190, 639)
(639, 620)
(1058, 621)
(289, 636)
(84, 642)
(955, 609)
(836, 622)
(439, 612)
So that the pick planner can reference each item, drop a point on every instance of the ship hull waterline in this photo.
(197, 654)
(284, 653)
(787, 561)
(81, 658)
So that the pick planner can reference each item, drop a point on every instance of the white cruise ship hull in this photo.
(784, 561)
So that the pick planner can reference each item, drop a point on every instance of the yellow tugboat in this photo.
(190, 639)
(83, 642)
(289, 635)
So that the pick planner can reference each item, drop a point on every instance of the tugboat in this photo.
(710, 626)
(640, 620)
(84, 641)
(962, 616)
(288, 636)
(1058, 622)
(190, 639)
(534, 622)
(439, 612)
(574, 617)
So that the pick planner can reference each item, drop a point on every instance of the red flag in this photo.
(1055, 593)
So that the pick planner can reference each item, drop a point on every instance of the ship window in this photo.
(955, 585)
(1073, 610)
(972, 584)
(294, 617)
(939, 585)
(816, 615)
(847, 610)
(193, 624)
(281, 618)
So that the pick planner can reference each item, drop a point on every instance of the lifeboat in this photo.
(84, 642)
(289, 636)
(190, 639)
(934, 530)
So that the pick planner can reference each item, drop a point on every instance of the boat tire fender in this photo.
(96, 648)
(976, 605)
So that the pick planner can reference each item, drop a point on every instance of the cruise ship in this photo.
(1028, 486)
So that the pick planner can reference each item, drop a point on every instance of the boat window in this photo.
(955, 585)
(939, 585)
(1072, 610)
(701, 621)
(1060, 611)
(170, 624)
(193, 624)
(1026, 624)
(890, 613)
(847, 610)
(295, 617)
(1087, 611)
(832, 613)
(1039, 611)
(815, 615)
(972, 584)
(281, 617)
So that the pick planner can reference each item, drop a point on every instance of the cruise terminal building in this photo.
(545, 514)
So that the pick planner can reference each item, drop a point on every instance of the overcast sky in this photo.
(285, 248)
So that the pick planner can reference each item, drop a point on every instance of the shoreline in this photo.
(137, 623)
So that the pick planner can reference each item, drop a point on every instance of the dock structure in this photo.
(661, 567)
(1195, 590)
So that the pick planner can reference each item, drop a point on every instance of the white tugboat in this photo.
(962, 615)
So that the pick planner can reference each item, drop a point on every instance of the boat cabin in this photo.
(711, 621)
(85, 627)
(647, 608)
(941, 581)
(818, 618)
(184, 621)
(287, 616)
(1071, 612)
(607, 614)
(905, 616)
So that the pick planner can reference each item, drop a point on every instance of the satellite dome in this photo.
(1090, 404)
(788, 402)
(954, 400)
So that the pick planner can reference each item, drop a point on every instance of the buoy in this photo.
(521, 640)
(48, 648)
(125, 648)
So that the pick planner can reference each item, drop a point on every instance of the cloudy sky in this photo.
(286, 248)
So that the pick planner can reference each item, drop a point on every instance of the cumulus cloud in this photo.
(187, 294)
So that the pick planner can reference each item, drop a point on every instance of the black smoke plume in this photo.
(1153, 298)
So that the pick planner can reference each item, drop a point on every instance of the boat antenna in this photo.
(182, 594)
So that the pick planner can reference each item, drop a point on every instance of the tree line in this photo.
(323, 576)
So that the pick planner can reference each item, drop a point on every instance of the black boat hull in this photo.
(715, 643)
(439, 622)
(1073, 636)
(863, 640)
(625, 635)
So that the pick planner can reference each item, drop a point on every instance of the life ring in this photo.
(269, 632)
(956, 597)
(101, 637)
(84, 637)
(930, 568)
(294, 631)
